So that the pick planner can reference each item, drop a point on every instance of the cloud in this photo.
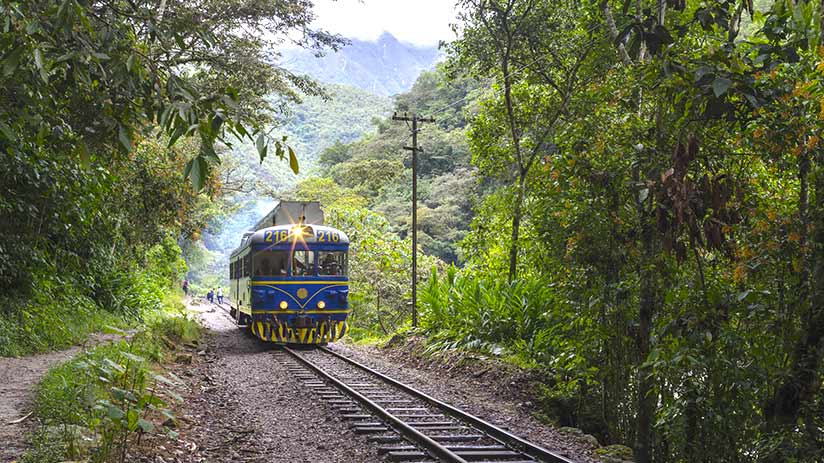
(420, 22)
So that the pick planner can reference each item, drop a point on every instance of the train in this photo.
(289, 277)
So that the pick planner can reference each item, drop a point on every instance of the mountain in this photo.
(317, 124)
(384, 67)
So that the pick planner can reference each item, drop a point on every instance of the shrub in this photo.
(94, 406)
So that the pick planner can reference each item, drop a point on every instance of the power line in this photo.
(414, 119)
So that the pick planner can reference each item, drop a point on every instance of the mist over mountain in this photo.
(385, 67)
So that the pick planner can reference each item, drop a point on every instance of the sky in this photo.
(420, 22)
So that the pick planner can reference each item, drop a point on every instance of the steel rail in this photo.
(431, 446)
(502, 435)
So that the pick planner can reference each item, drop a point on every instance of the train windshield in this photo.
(270, 263)
(332, 263)
(303, 263)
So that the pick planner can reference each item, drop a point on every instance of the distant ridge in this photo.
(385, 67)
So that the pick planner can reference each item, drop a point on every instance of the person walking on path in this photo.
(210, 296)
(186, 286)
(220, 295)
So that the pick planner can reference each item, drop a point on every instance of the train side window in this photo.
(247, 265)
(303, 263)
(332, 263)
(271, 263)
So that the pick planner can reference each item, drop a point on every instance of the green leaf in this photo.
(130, 62)
(123, 394)
(114, 412)
(260, 143)
(188, 169)
(178, 132)
(643, 195)
(33, 27)
(207, 151)
(720, 85)
(11, 61)
(38, 58)
(132, 357)
(146, 426)
(198, 170)
(293, 161)
(164, 380)
(123, 137)
(7, 131)
(82, 152)
(114, 365)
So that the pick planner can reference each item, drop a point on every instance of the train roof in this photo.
(312, 234)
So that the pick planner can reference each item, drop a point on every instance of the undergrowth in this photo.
(55, 318)
(95, 406)
(525, 323)
(63, 309)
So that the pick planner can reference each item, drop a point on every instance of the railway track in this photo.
(409, 425)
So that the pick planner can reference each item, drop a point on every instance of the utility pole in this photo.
(414, 119)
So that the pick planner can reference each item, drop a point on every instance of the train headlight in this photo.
(284, 304)
(321, 305)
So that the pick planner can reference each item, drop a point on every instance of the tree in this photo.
(88, 77)
(522, 46)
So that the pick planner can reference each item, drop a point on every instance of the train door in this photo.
(244, 283)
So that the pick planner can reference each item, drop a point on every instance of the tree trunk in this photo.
(646, 401)
(516, 227)
(803, 212)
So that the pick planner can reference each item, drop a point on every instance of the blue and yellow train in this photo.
(289, 283)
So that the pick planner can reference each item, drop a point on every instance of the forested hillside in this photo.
(378, 170)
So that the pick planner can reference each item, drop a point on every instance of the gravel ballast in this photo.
(485, 391)
(242, 405)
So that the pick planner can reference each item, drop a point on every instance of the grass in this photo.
(95, 406)
(53, 320)
(367, 337)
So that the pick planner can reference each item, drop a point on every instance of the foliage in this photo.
(88, 77)
(379, 269)
(672, 213)
(378, 171)
(61, 313)
(98, 404)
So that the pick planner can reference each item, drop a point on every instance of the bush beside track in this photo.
(99, 404)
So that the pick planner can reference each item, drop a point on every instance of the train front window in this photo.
(303, 263)
(270, 263)
(332, 263)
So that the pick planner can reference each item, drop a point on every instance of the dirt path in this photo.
(18, 378)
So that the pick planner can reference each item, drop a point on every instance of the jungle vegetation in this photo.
(105, 107)
(625, 197)
(653, 239)
(631, 194)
